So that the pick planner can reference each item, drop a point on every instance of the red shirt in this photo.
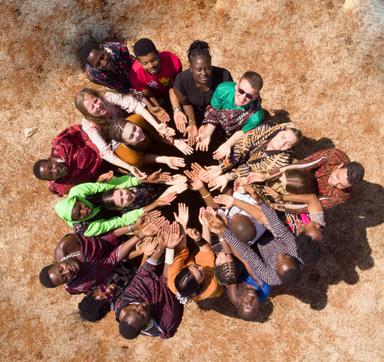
(160, 83)
(74, 148)
(329, 195)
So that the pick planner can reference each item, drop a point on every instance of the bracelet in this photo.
(169, 254)
(130, 229)
(177, 109)
(221, 239)
(205, 196)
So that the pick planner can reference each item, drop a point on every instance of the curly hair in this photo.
(198, 48)
(228, 273)
(355, 172)
(308, 249)
(92, 309)
(143, 47)
(44, 277)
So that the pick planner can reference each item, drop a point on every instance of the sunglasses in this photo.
(247, 95)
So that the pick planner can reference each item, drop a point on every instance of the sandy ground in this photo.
(322, 62)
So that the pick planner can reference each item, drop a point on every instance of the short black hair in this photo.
(228, 273)
(186, 284)
(198, 48)
(37, 166)
(92, 309)
(292, 275)
(128, 331)
(308, 249)
(355, 172)
(143, 47)
(254, 79)
(86, 49)
(44, 277)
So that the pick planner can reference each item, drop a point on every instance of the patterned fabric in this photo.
(74, 148)
(333, 158)
(144, 195)
(250, 154)
(118, 78)
(283, 242)
(98, 258)
(148, 286)
(231, 120)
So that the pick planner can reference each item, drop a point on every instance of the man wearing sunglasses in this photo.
(236, 107)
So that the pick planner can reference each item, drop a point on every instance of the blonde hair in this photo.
(79, 103)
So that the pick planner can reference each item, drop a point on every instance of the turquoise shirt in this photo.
(224, 98)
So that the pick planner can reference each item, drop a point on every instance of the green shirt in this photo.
(79, 193)
(224, 98)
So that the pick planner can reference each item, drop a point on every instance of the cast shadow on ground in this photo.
(223, 305)
(345, 247)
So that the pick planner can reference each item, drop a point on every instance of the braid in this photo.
(198, 48)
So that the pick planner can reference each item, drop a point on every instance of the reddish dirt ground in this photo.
(322, 62)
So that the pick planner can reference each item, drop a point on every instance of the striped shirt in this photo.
(283, 242)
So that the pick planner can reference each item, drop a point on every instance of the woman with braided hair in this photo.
(194, 88)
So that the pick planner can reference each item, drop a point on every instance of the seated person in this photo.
(280, 261)
(74, 160)
(192, 277)
(264, 150)
(244, 289)
(154, 72)
(90, 219)
(108, 64)
(105, 120)
(147, 306)
(194, 88)
(234, 107)
(335, 175)
(83, 263)
(98, 302)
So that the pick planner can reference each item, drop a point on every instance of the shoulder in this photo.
(221, 73)
(226, 87)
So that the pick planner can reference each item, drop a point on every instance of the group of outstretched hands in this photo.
(156, 233)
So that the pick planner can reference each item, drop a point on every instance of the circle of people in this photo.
(263, 222)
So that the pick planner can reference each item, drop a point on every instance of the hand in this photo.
(177, 189)
(203, 140)
(239, 184)
(195, 183)
(164, 131)
(149, 246)
(160, 114)
(166, 199)
(183, 147)
(137, 173)
(183, 216)
(251, 191)
(226, 201)
(151, 216)
(173, 236)
(177, 180)
(213, 172)
(256, 177)
(194, 234)
(202, 218)
(200, 171)
(222, 152)
(174, 162)
(105, 177)
(150, 228)
(215, 224)
(158, 177)
(180, 121)
(218, 183)
(274, 194)
(191, 131)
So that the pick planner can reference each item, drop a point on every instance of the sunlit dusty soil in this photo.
(322, 62)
